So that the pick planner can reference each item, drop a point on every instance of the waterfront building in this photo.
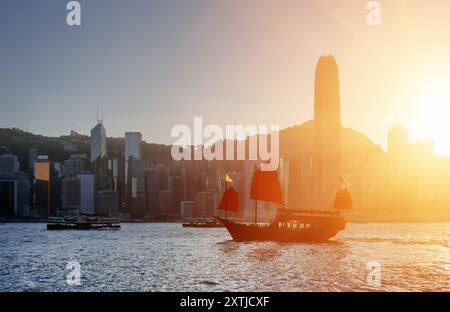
(43, 185)
(71, 196)
(75, 164)
(152, 189)
(165, 203)
(87, 192)
(187, 209)
(14, 188)
(98, 141)
(136, 202)
(133, 141)
(164, 177)
(9, 163)
(108, 204)
(206, 204)
(327, 133)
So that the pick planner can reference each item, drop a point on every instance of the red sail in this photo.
(343, 200)
(230, 200)
(266, 187)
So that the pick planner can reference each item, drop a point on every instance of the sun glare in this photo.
(433, 120)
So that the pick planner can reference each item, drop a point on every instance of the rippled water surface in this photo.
(167, 257)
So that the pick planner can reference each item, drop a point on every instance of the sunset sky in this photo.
(155, 64)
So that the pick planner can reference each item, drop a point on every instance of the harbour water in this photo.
(167, 257)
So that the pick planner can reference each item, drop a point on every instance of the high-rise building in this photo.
(164, 177)
(136, 204)
(9, 163)
(187, 209)
(74, 165)
(98, 152)
(98, 142)
(178, 183)
(296, 181)
(133, 142)
(165, 203)
(327, 133)
(206, 204)
(152, 189)
(398, 141)
(32, 157)
(43, 185)
(108, 204)
(87, 192)
(116, 165)
(14, 188)
(71, 196)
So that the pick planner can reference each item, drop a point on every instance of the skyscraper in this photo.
(14, 187)
(132, 148)
(71, 197)
(136, 204)
(327, 133)
(43, 185)
(74, 165)
(32, 157)
(98, 141)
(152, 189)
(87, 192)
(9, 163)
(398, 141)
(98, 157)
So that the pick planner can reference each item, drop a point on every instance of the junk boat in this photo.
(82, 223)
(203, 223)
(289, 225)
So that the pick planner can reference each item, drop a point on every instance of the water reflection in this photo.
(156, 257)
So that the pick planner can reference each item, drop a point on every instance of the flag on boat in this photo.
(228, 179)
(230, 200)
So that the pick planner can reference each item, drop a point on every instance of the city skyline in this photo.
(162, 68)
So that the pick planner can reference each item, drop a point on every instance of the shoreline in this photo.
(5, 221)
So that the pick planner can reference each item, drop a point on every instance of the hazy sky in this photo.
(154, 64)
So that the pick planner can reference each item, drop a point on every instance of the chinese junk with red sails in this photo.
(289, 225)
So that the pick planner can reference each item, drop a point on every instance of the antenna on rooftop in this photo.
(100, 120)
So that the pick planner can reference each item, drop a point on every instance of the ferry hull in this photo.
(316, 233)
(81, 226)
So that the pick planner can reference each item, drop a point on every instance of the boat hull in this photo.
(81, 226)
(316, 233)
(204, 225)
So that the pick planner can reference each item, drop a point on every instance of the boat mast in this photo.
(226, 204)
(256, 212)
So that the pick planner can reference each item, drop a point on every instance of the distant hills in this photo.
(294, 141)
(299, 140)
(19, 142)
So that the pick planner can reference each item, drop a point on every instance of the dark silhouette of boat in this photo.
(289, 225)
(203, 223)
(82, 223)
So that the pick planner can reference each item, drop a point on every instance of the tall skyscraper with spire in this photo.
(98, 140)
(98, 157)
(327, 133)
